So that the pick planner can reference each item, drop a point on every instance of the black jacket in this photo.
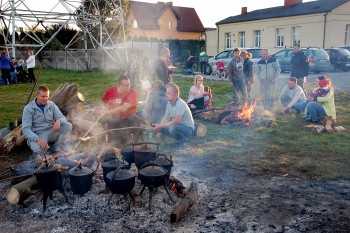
(300, 65)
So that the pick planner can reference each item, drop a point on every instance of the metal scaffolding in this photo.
(88, 17)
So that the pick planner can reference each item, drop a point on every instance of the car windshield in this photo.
(256, 53)
(320, 53)
(222, 55)
(344, 52)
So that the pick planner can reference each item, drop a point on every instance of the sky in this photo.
(212, 11)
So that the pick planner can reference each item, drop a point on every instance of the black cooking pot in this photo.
(80, 179)
(128, 153)
(49, 177)
(109, 166)
(165, 162)
(121, 180)
(152, 175)
(145, 152)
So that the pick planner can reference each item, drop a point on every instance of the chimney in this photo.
(160, 6)
(288, 3)
(244, 10)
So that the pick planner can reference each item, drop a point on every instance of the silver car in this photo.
(227, 55)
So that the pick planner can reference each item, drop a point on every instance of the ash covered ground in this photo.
(231, 200)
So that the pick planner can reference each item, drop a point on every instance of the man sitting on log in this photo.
(121, 101)
(43, 124)
(177, 121)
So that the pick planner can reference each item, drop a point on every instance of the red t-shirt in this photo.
(114, 99)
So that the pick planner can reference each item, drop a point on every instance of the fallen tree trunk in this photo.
(187, 202)
(14, 138)
(21, 191)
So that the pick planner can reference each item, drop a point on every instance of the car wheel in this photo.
(332, 68)
(317, 71)
(208, 70)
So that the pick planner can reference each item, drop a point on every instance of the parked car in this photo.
(318, 59)
(346, 47)
(226, 56)
(339, 58)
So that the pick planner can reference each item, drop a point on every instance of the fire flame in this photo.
(247, 111)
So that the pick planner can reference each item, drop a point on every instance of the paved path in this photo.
(340, 80)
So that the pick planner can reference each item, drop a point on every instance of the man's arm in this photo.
(118, 110)
(165, 123)
(295, 98)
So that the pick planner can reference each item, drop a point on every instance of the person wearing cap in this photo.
(321, 101)
(120, 108)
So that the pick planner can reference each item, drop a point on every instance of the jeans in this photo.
(315, 111)
(267, 90)
(180, 132)
(14, 76)
(299, 106)
(239, 86)
(54, 139)
(249, 84)
(203, 67)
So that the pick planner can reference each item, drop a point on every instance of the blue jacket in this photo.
(35, 121)
(4, 63)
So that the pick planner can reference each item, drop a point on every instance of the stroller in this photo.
(188, 66)
(220, 70)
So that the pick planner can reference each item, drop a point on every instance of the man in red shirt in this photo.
(121, 101)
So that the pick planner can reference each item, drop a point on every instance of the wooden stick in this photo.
(93, 125)
(36, 81)
(13, 177)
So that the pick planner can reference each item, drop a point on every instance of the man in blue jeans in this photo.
(177, 121)
(292, 96)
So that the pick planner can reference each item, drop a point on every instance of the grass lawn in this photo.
(286, 148)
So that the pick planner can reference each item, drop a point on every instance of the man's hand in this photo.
(157, 127)
(42, 143)
(284, 110)
(231, 84)
(192, 106)
(273, 80)
(309, 98)
(56, 126)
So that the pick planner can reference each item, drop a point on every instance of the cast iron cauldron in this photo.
(80, 179)
(109, 166)
(49, 177)
(121, 181)
(152, 175)
(145, 152)
(128, 153)
(165, 162)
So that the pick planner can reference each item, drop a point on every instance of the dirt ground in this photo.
(231, 200)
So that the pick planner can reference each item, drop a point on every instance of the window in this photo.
(295, 35)
(347, 34)
(257, 38)
(169, 24)
(242, 39)
(279, 37)
(133, 23)
(228, 40)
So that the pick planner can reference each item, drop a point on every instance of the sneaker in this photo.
(306, 116)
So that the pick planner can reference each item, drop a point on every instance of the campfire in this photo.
(241, 117)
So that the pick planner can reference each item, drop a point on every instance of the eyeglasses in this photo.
(126, 85)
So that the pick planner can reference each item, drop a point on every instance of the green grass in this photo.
(285, 148)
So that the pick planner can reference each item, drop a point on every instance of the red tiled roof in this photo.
(146, 15)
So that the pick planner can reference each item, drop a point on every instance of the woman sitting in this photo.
(321, 105)
(196, 97)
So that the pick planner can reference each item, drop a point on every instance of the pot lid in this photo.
(163, 161)
(152, 171)
(120, 174)
(80, 170)
(111, 164)
(146, 148)
(45, 168)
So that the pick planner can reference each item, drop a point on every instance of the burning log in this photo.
(189, 200)
(21, 191)
(66, 97)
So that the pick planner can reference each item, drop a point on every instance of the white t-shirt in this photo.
(195, 93)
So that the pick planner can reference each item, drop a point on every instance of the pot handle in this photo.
(152, 164)
(149, 143)
(127, 145)
(117, 170)
(165, 157)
